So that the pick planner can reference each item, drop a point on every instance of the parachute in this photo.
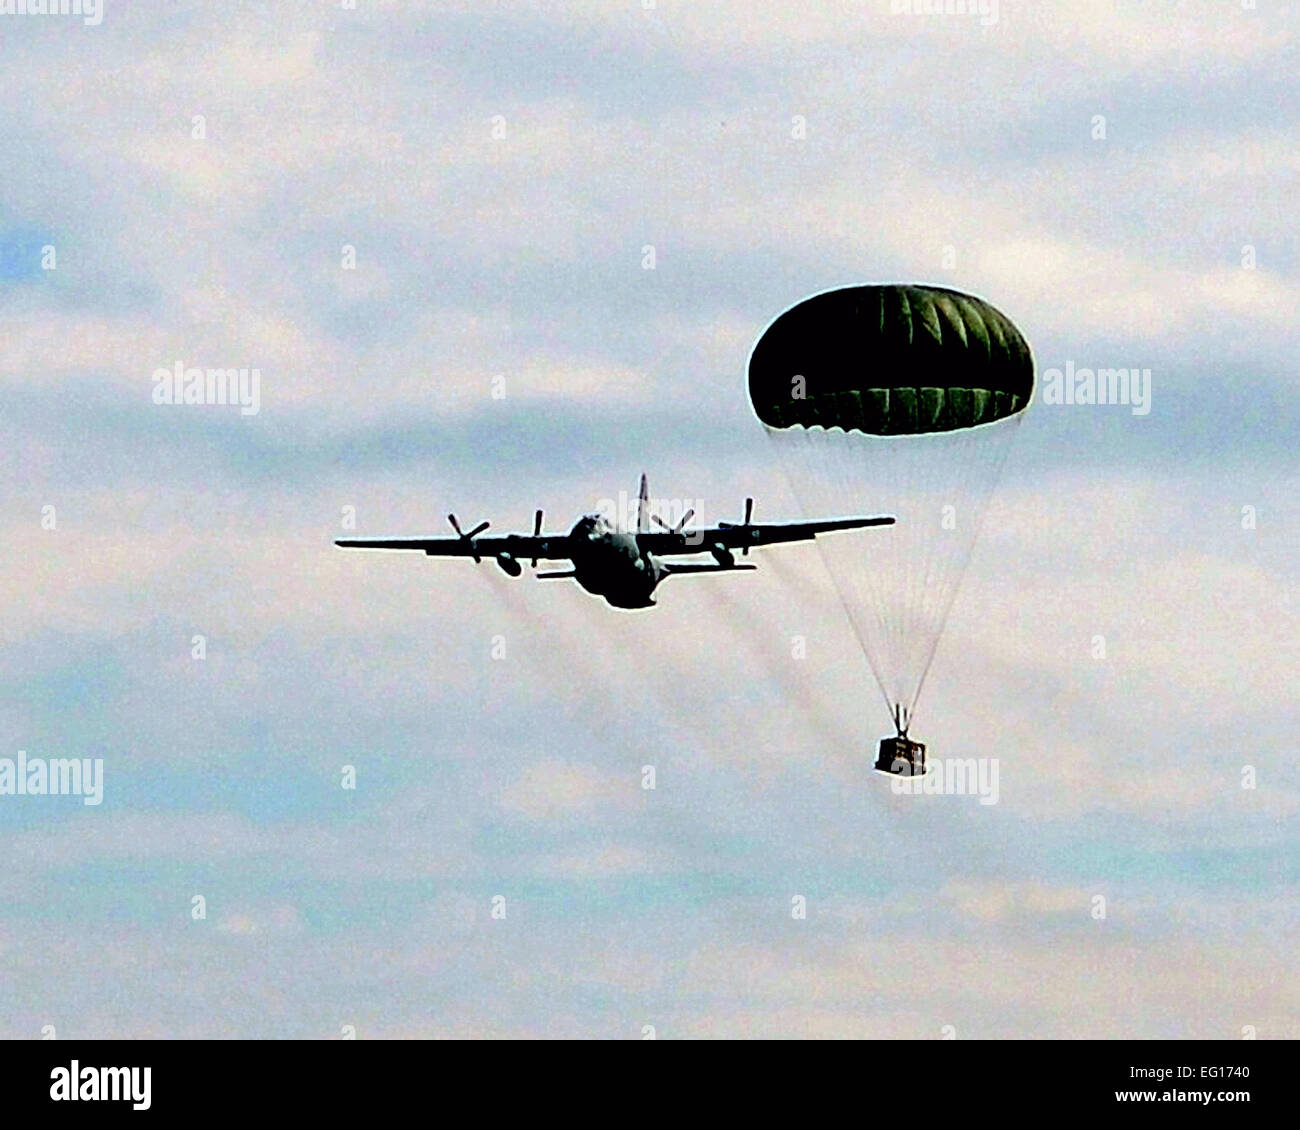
(900, 400)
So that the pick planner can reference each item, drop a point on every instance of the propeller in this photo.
(469, 537)
(746, 525)
(537, 531)
(677, 529)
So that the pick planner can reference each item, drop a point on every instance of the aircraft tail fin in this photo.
(643, 507)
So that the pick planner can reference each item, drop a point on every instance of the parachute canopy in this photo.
(897, 400)
(890, 360)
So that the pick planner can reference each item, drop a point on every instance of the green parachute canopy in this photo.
(890, 360)
(899, 400)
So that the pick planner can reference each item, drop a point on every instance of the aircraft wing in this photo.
(519, 546)
(738, 535)
(681, 570)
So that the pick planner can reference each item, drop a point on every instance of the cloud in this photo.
(548, 788)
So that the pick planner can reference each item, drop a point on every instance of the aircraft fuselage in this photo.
(609, 562)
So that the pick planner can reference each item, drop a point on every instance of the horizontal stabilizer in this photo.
(677, 570)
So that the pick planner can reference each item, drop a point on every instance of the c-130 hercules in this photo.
(623, 566)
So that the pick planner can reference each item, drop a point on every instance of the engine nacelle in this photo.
(722, 555)
(509, 565)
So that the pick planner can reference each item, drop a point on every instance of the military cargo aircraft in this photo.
(623, 566)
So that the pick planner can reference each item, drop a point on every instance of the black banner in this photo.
(338, 1079)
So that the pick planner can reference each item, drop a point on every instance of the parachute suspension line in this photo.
(804, 439)
(979, 457)
(998, 452)
(902, 720)
(897, 584)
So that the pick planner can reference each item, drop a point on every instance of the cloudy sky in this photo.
(1118, 177)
